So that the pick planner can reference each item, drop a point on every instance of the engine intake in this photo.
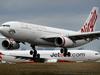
(10, 44)
(63, 42)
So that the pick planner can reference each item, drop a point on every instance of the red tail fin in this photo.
(90, 22)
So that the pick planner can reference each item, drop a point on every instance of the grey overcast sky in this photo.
(67, 14)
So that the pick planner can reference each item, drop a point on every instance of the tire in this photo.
(61, 50)
(31, 52)
(34, 54)
(69, 54)
(38, 56)
(65, 52)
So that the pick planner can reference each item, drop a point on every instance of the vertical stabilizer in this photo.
(89, 24)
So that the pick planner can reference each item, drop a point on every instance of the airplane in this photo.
(47, 56)
(37, 35)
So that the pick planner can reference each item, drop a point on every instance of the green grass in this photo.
(50, 69)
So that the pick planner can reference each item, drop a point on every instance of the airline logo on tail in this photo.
(90, 22)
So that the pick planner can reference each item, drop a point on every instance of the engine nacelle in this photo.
(63, 42)
(9, 44)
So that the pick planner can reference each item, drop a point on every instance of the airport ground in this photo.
(51, 69)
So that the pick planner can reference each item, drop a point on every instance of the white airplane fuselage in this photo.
(55, 55)
(33, 34)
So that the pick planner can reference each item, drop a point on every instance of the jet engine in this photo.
(9, 44)
(63, 42)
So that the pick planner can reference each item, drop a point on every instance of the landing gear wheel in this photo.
(65, 52)
(34, 54)
(62, 50)
(31, 52)
(69, 54)
(38, 56)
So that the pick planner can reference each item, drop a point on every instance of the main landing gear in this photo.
(34, 53)
(65, 52)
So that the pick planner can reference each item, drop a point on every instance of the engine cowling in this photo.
(8, 44)
(63, 42)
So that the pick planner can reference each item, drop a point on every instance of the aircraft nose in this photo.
(4, 30)
(1, 29)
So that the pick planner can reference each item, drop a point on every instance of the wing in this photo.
(88, 35)
(76, 36)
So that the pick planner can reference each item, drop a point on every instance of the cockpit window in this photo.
(6, 25)
(97, 53)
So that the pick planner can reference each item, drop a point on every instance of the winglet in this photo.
(91, 20)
